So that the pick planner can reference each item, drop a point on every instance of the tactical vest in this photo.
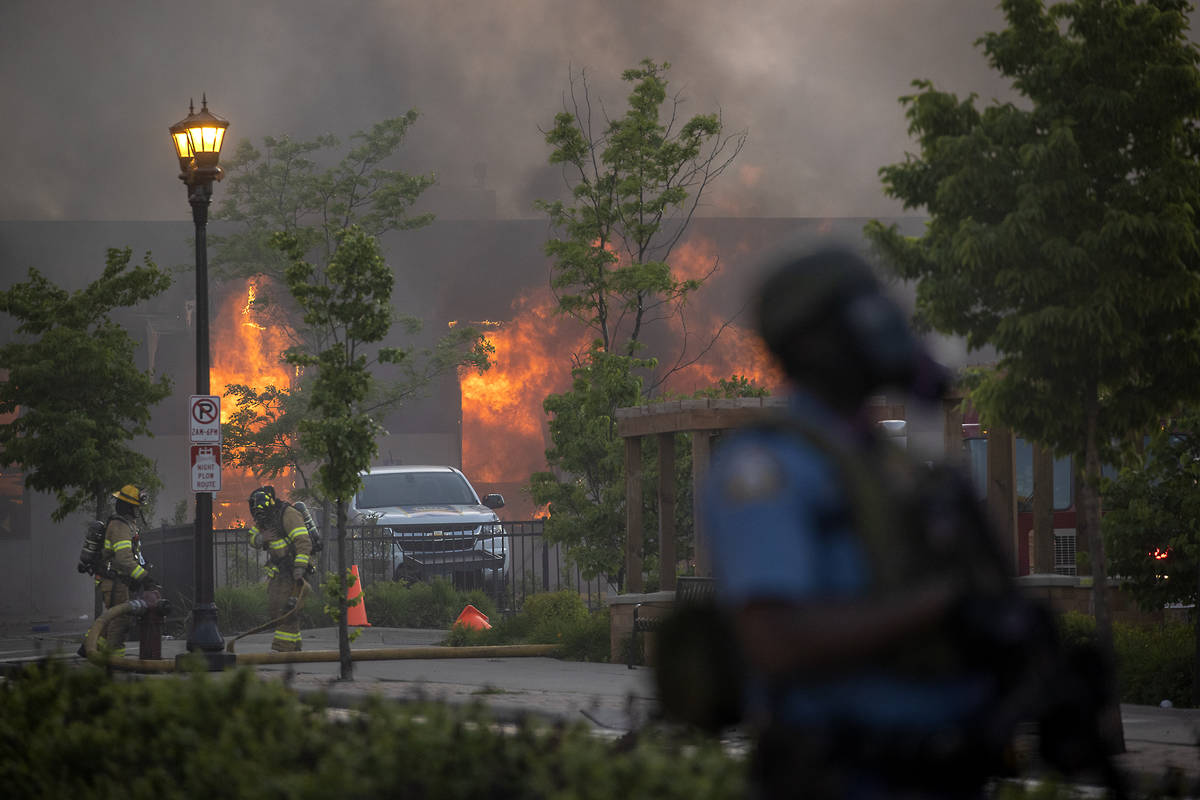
(915, 522)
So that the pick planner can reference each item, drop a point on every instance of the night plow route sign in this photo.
(206, 468)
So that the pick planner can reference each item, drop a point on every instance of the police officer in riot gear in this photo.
(279, 529)
(840, 599)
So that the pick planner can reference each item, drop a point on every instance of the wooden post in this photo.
(1043, 511)
(633, 514)
(701, 453)
(666, 511)
(1002, 490)
(952, 435)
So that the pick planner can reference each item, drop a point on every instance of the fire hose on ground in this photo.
(271, 623)
(151, 602)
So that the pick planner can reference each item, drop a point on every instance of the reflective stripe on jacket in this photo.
(119, 549)
(287, 543)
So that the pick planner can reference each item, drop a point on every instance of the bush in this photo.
(1154, 662)
(240, 608)
(236, 736)
(549, 618)
(435, 604)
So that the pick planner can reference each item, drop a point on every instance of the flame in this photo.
(503, 421)
(504, 426)
(693, 260)
(245, 351)
(738, 351)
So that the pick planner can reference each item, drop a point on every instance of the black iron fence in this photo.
(529, 565)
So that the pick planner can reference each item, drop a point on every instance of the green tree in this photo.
(1062, 230)
(75, 382)
(586, 493)
(260, 435)
(634, 188)
(284, 188)
(636, 180)
(1152, 524)
(350, 302)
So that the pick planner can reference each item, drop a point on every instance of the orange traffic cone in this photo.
(472, 617)
(357, 613)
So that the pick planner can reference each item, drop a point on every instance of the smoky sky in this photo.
(90, 89)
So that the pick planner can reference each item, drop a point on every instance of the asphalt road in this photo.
(609, 697)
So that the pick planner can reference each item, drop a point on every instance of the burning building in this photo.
(490, 273)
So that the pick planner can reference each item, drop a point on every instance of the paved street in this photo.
(610, 697)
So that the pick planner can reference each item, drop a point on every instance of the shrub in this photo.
(550, 614)
(549, 618)
(240, 608)
(435, 604)
(1154, 662)
(237, 737)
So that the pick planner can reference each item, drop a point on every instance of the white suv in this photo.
(435, 520)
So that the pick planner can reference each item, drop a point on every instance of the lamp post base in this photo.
(205, 639)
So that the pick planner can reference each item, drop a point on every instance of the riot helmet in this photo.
(834, 329)
(263, 504)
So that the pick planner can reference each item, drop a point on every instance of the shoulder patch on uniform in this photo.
(754, 473)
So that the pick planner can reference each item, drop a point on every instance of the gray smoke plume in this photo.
(90, 89)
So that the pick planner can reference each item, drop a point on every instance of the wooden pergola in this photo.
(706, 418)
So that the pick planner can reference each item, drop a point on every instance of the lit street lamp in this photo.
(197, 139)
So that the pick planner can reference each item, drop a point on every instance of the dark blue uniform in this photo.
(782, 528)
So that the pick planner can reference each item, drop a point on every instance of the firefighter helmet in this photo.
(263, 502)
(130, 494)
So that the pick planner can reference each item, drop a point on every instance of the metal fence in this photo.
(531, 564)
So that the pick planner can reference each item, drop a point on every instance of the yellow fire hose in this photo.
(304, 589)
(302, 657)
(138, 664)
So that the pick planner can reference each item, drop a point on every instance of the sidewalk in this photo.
(611, 698)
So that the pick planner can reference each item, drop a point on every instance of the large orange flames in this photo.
(503, 423)
(504, 427)
(245, 351)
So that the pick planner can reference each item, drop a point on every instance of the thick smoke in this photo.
(90, 89)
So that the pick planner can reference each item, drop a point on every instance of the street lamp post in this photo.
(197, 139)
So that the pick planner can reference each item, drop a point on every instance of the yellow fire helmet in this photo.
(130, 494)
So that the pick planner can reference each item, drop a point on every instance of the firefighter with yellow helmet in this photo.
(279, 529)
(123, 570)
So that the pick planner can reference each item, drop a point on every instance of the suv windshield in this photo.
(414, 489)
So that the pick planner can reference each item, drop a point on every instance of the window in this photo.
(977, 463)
(414, 489)
(1064, 551)
(1023, 457)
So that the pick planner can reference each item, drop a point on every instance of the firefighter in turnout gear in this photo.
(279, 530)
(124, 570)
